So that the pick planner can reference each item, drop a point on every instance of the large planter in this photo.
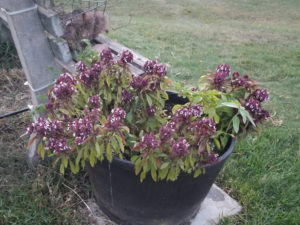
(121, 195)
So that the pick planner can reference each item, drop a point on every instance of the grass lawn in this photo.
(260, 38)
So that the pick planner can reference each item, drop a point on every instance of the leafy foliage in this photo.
(106, 112)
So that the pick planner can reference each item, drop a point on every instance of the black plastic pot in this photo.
(126, 200)
(121, 195)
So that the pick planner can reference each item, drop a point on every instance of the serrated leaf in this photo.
(92, 159)
(143, 175)
(134, 158)
(236, 123)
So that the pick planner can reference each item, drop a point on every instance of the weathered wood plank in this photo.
(138, 60)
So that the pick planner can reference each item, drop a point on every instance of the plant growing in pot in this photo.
(151, 155)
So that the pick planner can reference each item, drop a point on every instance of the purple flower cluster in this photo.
(81, 129)
(203, 128)
(46, 128)
(238, 81)
(90, 76)
(184, 114)
(106, 56)
(127, 96)
(114, 119)
(95, 101)
(81, 67)
(63, 91)
(64, 87)
(223, 68)
(149, 141)
(153, 67)
(211, 158)
(261, 95)
(151, 110)
(166, 132)
(180, 148)
(254, 107)
(138, 82)
(126, 56)
(92, 115)
(223, 71)
(58, 145)
(66, 78)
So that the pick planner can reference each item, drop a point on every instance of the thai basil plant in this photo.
(104, 112)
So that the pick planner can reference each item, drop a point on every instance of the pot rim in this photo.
(229, 149)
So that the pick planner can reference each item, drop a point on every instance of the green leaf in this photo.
(79, 156)
(138, 166)
(74, 168)
(164, 165)
(120, 143)
(149, 100)
(153, 173)
(143, 175)
(236, 123)
(230, 104)
(163, 173)
(197, 173)
(217, 142)
(62, 168)
(65, 161)
(109, 152)
(92, 159)
(43, 153)
(243, 114)
(134, 158)
(98, 149)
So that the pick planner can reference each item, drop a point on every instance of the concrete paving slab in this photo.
(218, 204)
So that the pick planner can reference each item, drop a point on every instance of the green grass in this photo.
(257, 37)
(260, 38)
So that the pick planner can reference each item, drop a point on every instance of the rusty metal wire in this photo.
(71, 9)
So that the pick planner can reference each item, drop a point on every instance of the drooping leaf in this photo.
(236, 123)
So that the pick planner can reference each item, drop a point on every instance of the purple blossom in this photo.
(211, 158)
(58, 145)
(180, 148)
(63, 91)
(50, 106)
(106, 56)
(138, 82)
(223, 68)
(182, 114)
(126, 56)
(238, 82)
(90, 76)
(66, 78)
(261, 95)
(151, 110)
(171, 124)
(153, 67)
(95, 101)
(80, 66)
(127, 96)
(149, 141)
(235, 75)
(165, 133)
(253, 106)
(114, 119)
(92, 115)
(82, 129)
(149, 66)
(203, 128)
(196, 110)
(46, 128)
(219, 79)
